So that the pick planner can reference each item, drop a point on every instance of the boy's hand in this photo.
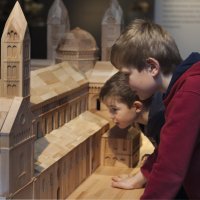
(129, 182)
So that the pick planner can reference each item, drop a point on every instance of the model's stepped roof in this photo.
(16, 21)
(51, 81)
(59, 142)
(102, 71)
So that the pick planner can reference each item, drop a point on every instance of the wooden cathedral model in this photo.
(52, 135)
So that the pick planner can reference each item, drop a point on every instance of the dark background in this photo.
(86, 14)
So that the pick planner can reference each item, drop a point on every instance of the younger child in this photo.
(123, 105)
(125, 109)
(149, 55)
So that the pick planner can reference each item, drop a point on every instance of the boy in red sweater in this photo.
(149, 55)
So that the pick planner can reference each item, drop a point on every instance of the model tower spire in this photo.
(57, 25)
(16, 136)
(15, 56)
(111, 26)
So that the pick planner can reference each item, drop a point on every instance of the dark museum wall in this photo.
(86, 14)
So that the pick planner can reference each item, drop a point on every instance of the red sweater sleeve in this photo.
(178, 139)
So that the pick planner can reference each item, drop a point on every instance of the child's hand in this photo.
(121, 177)
(129, 182)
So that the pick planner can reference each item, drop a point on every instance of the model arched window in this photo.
(9, 90)
(15, 36)
(9, 51)
(14, 51)
(14, 71)
(9, 71)
(14, 90)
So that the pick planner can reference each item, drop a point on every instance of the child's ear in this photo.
(138, 106)
(153, 66)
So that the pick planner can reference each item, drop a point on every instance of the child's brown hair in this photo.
(143, 39)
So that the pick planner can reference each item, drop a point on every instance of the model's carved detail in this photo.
(57, 25)
(111, 26)
(12, 35)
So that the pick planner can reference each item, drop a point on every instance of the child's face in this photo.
(142, 83)
(120, 113)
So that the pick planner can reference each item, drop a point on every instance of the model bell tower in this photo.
(15, 56)
(16, 136)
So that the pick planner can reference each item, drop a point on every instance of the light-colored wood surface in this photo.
(98, 185)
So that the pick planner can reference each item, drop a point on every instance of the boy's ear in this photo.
(153, 66)
(138, 106)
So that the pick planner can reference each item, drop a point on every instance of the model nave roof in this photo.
(59, 142)
(54, 80)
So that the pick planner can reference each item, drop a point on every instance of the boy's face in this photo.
(120, 113)
(142, 83)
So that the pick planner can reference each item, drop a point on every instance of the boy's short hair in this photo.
(143, 39)
(118, 87)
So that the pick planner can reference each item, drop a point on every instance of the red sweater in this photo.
(176, 162)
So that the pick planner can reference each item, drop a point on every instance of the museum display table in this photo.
(98, 185)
